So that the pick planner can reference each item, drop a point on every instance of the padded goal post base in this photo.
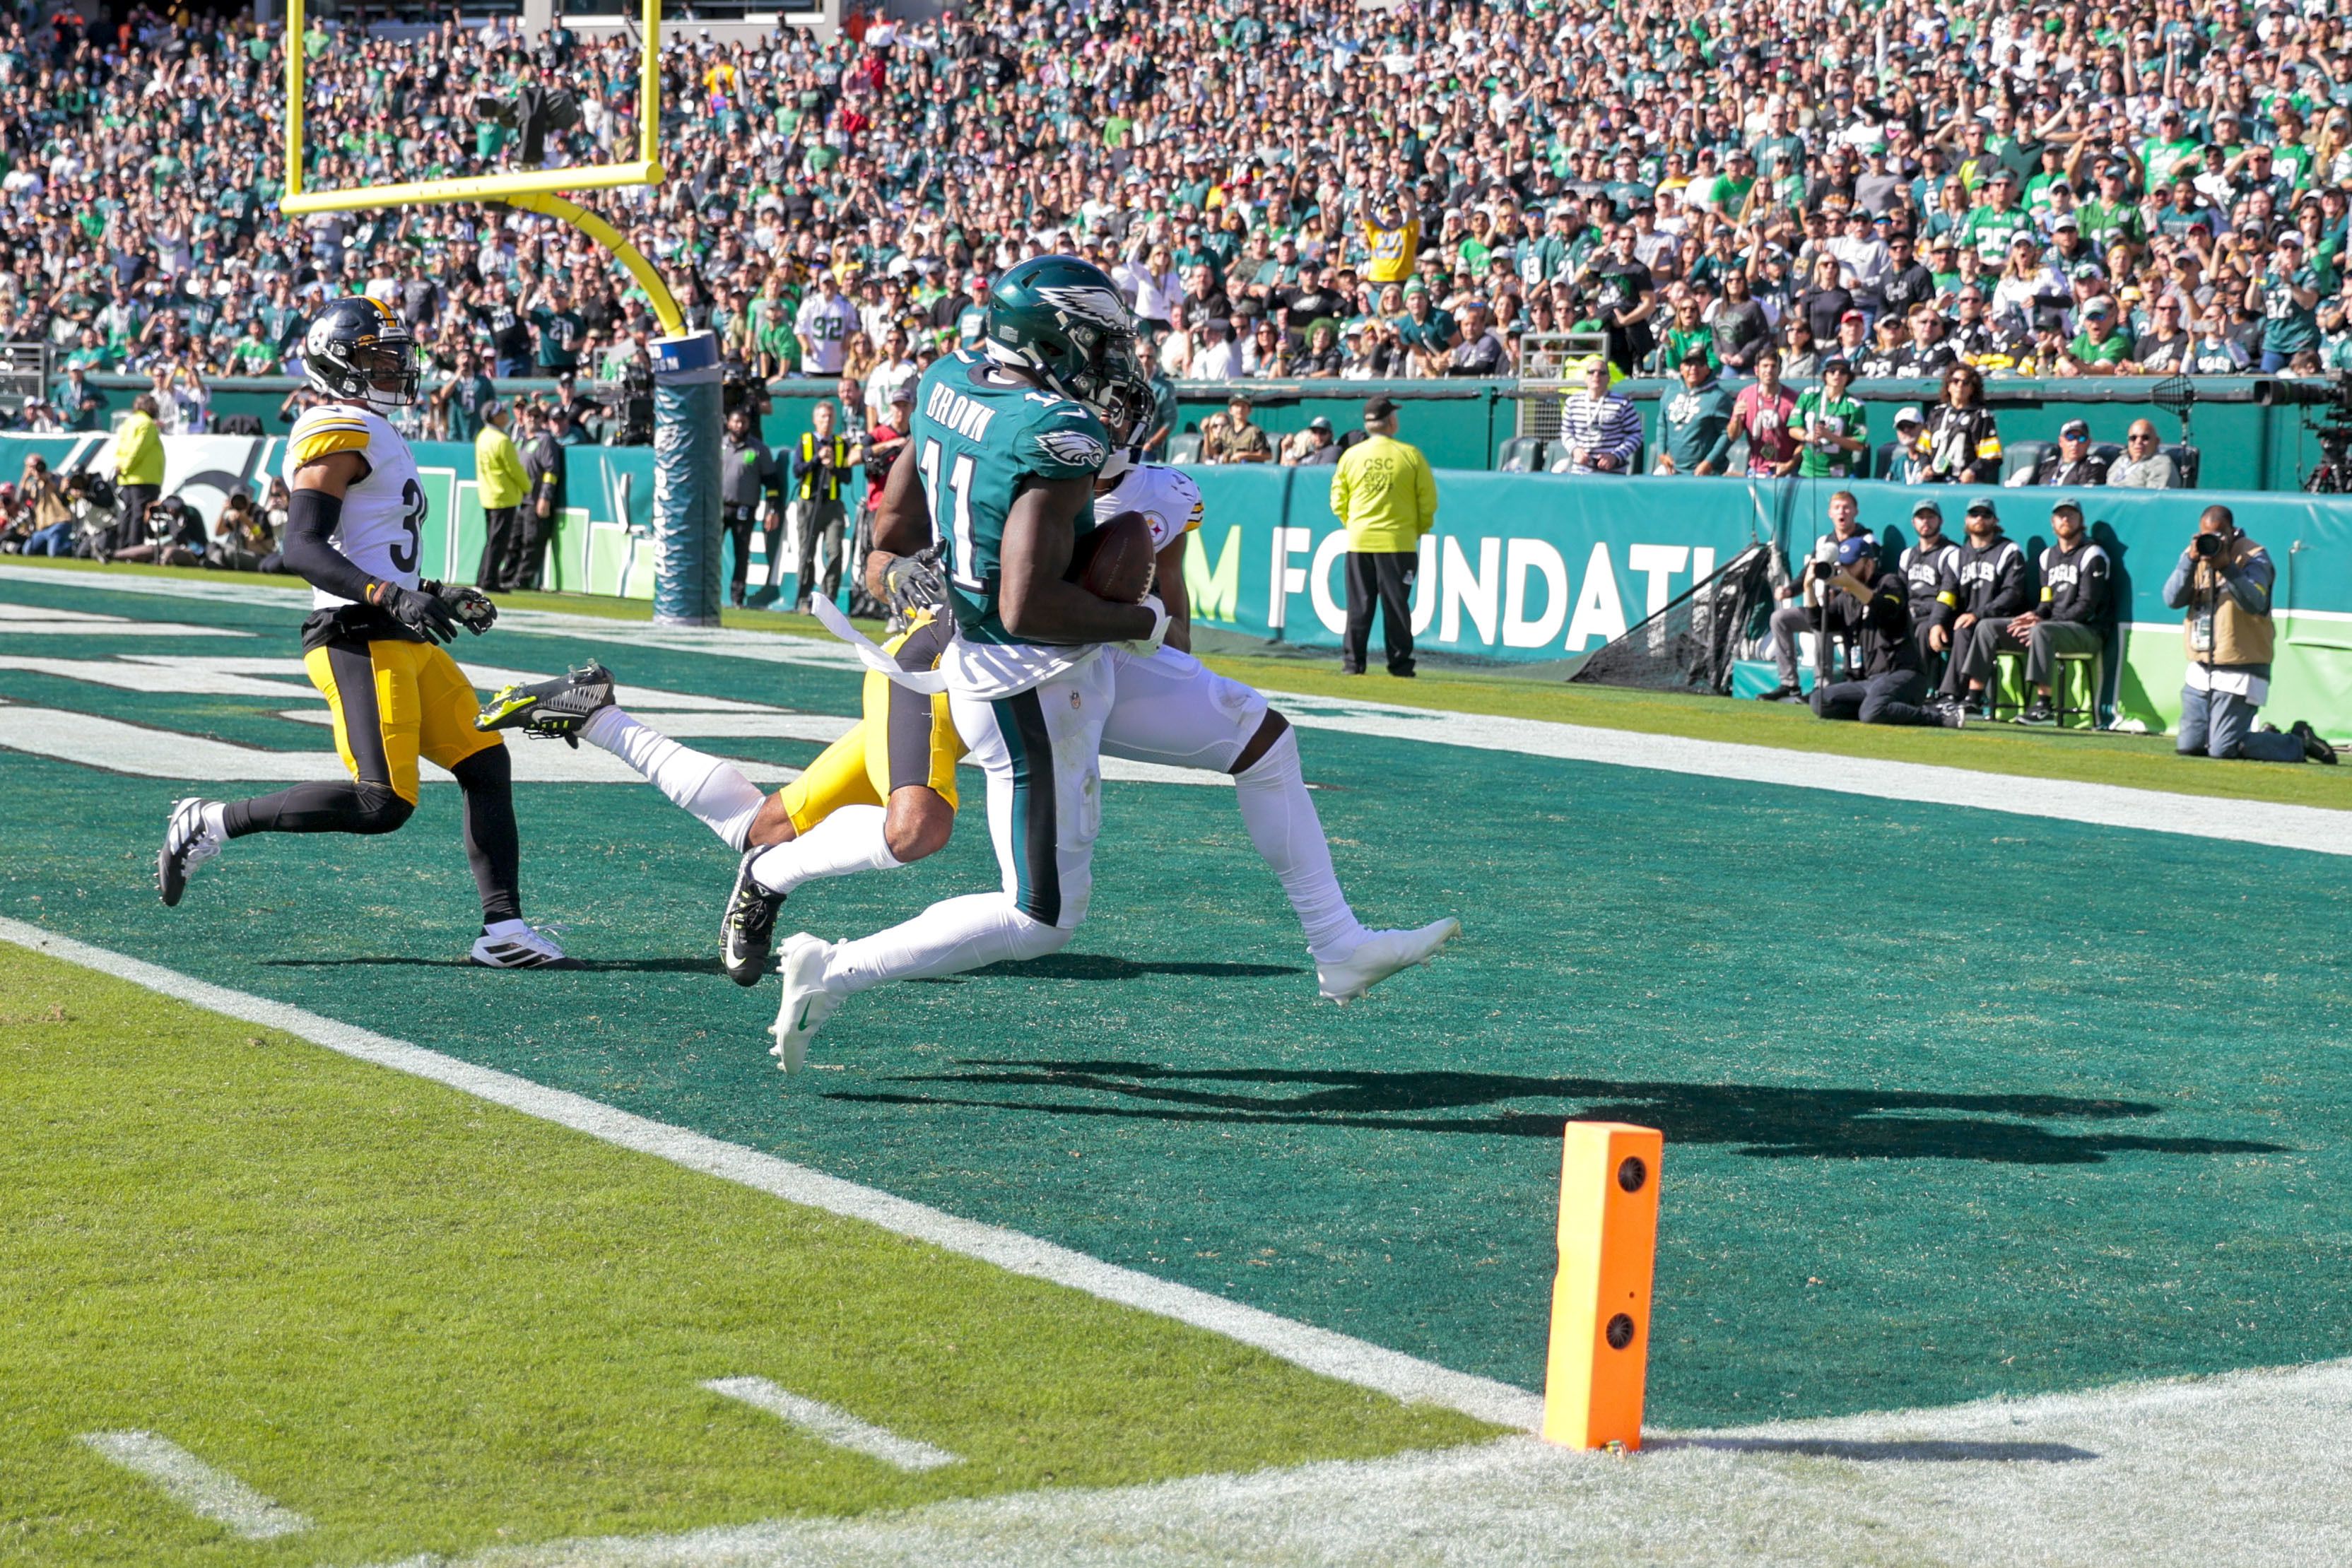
(687, 430)
(1599, 1364)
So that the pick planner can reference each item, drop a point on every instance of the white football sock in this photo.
(851, 839)
(711, 789)
(951, 936)
(216, 819)
(1280, 816)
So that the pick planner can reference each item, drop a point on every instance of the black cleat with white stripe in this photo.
(514, 944)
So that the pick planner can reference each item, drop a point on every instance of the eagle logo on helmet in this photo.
(1095, 306)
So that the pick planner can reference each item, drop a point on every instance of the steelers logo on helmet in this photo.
(358, 350)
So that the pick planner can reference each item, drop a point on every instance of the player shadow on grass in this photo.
(1105, 966)
(1918, 1450)
(1765, 1121)
(703, 965)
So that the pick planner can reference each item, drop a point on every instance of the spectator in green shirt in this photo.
(2287, 295)
(1692, 420)
(1830, 425)
(2101, 347)
(561, 330)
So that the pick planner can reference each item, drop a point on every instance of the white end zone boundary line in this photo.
(2314, 829)
(1333, 1356)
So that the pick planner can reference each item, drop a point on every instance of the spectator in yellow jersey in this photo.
(1385, 496)
(1392, 240)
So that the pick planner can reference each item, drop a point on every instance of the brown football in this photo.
(1113, 562)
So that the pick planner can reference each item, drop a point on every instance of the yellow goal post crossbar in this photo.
(536, 190)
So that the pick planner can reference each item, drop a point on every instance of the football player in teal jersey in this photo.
(1000, 465)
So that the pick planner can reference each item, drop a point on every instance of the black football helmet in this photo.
(358, 350)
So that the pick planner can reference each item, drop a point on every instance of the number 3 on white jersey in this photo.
(959, 490)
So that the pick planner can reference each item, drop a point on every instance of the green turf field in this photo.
(426, 1323)
(1956, 1103)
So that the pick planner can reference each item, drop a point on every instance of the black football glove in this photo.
(420, 613)
(914, 584)
(471, 606)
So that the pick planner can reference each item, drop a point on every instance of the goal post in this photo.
(687, 395)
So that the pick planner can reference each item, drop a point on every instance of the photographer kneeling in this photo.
(1872, 612)
(2223, 582)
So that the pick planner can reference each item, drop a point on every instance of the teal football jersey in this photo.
(980, 436)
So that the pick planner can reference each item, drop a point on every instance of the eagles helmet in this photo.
(1062, 320)
(357, 350)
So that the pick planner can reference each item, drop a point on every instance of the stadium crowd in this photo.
(1284, 190)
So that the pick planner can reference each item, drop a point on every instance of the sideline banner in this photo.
(1527, 569)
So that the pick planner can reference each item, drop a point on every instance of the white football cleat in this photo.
(517, 945)
(1380, 955)
(807, 1004)
(188, 841)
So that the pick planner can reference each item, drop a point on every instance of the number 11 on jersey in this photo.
(956, 490)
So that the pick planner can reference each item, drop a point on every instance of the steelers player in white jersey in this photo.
(372, 644)
(883, 796)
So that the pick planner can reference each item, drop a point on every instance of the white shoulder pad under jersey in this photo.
(1166, 497)
(383, 511)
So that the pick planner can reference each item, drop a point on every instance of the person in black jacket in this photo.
(1986, 583)
(1869, 609)
(1923, 566)
(2070, 462)
(2072, 618)
(749, 475)
(542, 505)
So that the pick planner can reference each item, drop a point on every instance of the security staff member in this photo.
(497, 469)
(1870, 610)
(1923, 566)
(2071, 619)
(1385, 495)
(542, 465)
(821, 474)
(1986, 581)
(138, 476)
(749, 473)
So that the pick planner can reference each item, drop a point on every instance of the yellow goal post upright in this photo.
(687, 397)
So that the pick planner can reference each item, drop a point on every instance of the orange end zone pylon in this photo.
(1601, 1301)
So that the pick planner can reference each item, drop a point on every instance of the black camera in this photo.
(739, 387)
(2207, 545)
(636, 406)
(1824, 570)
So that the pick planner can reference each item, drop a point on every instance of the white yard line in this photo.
(196, 1486)
(2245, 1468)
(118, 746)
(1333, 1356)
(2307, 828)
(2106, 805)
(838, 1428)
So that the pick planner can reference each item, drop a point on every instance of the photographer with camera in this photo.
(747, 476)
(1791, 620)
(2223, 582)
(1868, 610)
